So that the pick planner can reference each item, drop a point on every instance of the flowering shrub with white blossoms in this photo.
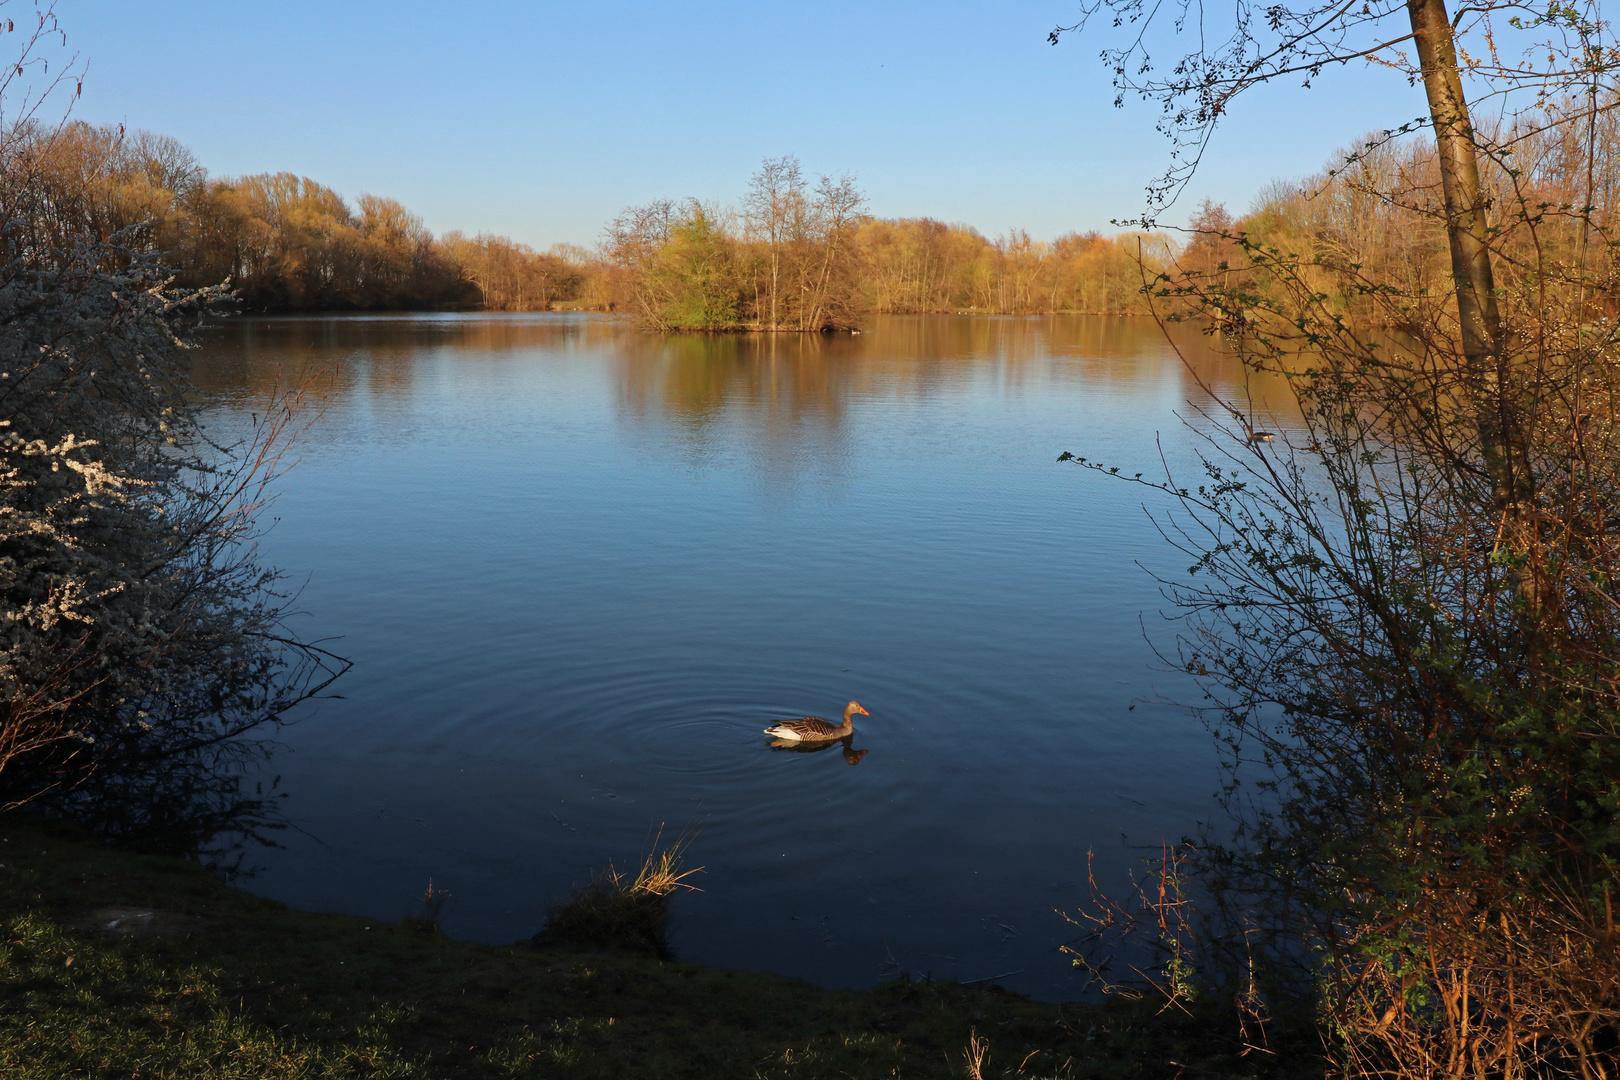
(138, 630)
(142, 643)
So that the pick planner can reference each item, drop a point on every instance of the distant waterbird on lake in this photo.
(1261, 436)
(815, 729)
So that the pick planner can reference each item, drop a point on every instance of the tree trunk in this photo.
(1498, 401)
(776, 274)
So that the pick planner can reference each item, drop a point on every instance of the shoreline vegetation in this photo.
(791, 256)
(119, 963)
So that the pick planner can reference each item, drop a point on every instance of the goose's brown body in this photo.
(815, 729)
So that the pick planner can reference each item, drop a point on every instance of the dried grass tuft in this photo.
(973, 1058)
(617, 911)
(433, 901)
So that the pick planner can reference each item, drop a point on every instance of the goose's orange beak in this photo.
(862, 711)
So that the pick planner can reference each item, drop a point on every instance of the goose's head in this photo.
(852, 708)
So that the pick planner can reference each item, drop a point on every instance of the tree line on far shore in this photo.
(793, 255)
(1379, 208)
(284, 242)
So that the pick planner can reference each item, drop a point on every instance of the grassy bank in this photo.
(123, 965)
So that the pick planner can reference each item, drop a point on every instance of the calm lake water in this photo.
(579, 569)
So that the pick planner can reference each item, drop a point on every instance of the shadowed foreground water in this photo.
(580, 568)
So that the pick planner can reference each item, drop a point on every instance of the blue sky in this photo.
(542, 120)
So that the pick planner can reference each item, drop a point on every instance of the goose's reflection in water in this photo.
(798, 746)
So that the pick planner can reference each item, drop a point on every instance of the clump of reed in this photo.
(617, 911)
(426, 921)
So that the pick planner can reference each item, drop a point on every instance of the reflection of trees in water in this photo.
(203, 804)
(379, 356)
(785, 399)
(692, 380)
(792, 385)
(788, 386)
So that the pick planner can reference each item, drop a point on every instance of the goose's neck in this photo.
(849, 718)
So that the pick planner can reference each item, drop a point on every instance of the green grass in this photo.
(221, 984)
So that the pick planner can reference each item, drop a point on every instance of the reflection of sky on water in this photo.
(579, 569)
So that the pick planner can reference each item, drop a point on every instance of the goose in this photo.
(815, 729)
(1261, 436)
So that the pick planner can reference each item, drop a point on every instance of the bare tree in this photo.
(831, 292)
(1402, 616)
(775, 211)
(1541, 50)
